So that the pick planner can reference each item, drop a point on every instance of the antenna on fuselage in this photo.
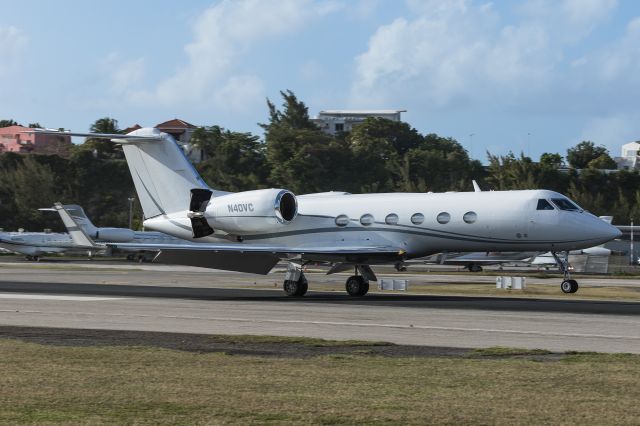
(476, 187)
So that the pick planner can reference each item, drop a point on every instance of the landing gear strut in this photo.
(568, 285)
(295, 283)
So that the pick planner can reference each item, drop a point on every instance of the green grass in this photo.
(307, 341)
(132, 385)
(502, 351)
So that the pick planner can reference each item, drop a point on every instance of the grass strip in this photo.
(142, 385)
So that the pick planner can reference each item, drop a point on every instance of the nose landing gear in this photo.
(568, 285)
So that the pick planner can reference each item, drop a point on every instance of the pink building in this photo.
(13, 140)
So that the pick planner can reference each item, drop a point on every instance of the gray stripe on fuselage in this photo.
(461, 237)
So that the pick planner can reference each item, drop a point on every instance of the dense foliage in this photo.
(377, 156)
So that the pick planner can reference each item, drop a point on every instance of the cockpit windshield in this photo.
(565, 204)
(544, 205)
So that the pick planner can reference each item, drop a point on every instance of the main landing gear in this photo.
(357, 286)
(296, 285)
(568, 285)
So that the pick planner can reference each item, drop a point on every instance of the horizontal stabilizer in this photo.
(118, 137)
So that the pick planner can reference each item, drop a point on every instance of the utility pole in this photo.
(131, 200)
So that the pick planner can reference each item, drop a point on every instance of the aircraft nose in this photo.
(605, 231)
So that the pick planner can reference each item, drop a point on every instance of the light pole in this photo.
(529, 144)
(632, 256)
(131, 200)
(471, 145)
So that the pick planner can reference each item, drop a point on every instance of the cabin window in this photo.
(417, 218)
(391, 219)
(565, 204)
(366, 219)
(342, 220)
(470, 217)
(443, 217)
(544, 205)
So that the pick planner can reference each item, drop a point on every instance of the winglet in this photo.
(76, 232)
(476, 187)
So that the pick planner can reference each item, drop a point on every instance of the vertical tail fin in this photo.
(162, 174)
(81, 218)
(78, 235)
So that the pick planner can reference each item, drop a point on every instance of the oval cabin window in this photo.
(470, 217)
(443, 218)
(391, 219)
(417, 218)
(366, 219)
(342, 220)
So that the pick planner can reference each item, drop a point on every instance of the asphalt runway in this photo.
(213, 302)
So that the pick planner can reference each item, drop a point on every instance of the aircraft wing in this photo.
(259, 258)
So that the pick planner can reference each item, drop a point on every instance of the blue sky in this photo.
(534, 76)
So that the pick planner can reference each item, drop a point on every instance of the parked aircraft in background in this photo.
(37, 244)
(347, 231)
(476, 260)
(115, 235)
(34, 245)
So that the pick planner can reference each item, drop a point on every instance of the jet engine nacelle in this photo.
(248, 212)
(113, 235)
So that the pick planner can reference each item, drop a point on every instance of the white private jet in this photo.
(252, 231)
(34, 245)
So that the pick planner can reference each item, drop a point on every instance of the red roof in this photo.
(175, 124)
(132, 128)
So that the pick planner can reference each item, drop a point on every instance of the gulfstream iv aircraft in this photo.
(252, 231)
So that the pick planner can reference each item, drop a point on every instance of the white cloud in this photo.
(123, 74)
(240, 91)
(458, 52)
(13, 41)
(222, 35)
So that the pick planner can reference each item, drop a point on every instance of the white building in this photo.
(629, 159)
(342, 120)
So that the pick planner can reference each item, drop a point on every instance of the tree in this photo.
(35, 125)
(299, 155)
(7, 123)
(103, 148)
(586, 151)
(235, 161)
(603, 162)
(552, 161)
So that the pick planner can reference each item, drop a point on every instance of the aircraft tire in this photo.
(296, 288)
(474, 268)
(569, 286)
(356, 286)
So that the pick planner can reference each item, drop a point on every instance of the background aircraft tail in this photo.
(162, 174)
(80, 217)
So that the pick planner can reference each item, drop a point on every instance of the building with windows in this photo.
(12, 139)
(342, 120)
(629, 159)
